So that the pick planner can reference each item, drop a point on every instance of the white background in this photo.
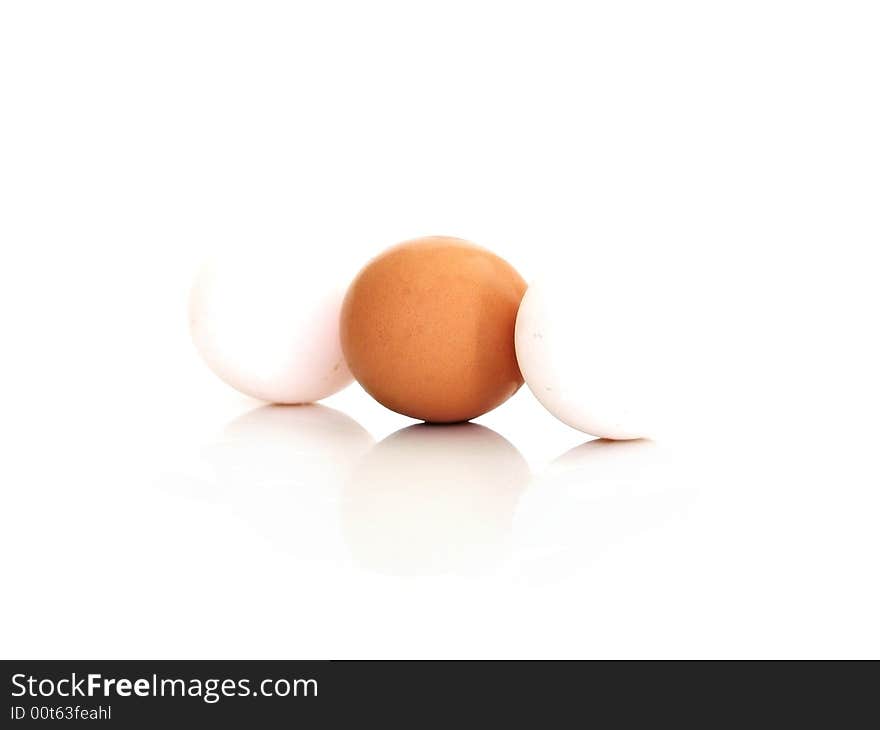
(730, 149)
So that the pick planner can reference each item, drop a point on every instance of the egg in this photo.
(590, 346)
(269, 326)
(427, 329)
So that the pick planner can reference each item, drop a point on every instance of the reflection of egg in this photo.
(590, 346)
(281, 468)
(592, 498)
(269, 329)
(311, 446)
(427, 329)
(434, 499)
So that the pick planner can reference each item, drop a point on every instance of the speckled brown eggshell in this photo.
(427, 328)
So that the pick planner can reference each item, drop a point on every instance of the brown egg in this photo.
(427, 329)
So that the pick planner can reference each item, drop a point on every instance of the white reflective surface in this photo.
(225, 529)
(727, 151)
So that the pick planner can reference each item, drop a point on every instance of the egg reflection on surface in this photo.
(311, 445)
(594, 497)
(282, 468)
(433, 500)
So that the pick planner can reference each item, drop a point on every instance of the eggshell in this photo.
(589, 344)
(427, 329)
(268, 324)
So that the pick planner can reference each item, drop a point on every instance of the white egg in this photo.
(267, 323)
(589, 345)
